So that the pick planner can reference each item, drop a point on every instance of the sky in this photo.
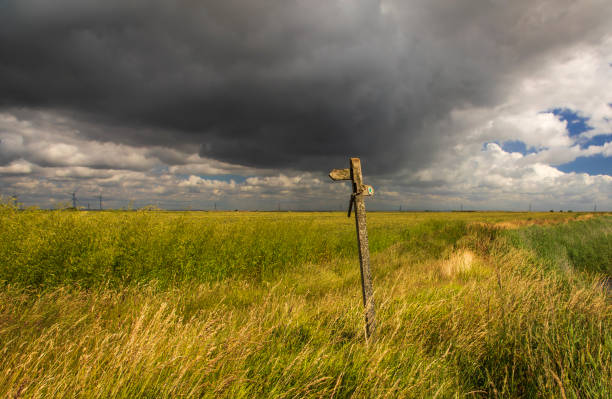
(192, 104)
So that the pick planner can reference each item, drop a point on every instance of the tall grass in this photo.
(582, 246)
(50, 248)
(464, 309)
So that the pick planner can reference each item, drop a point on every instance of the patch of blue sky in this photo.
(517, 146)
(576, 124)
(598, 140)
(512, 146)
(593, 165)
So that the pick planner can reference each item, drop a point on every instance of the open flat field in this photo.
(239, 305)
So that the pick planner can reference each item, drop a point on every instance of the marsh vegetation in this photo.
(232, 304)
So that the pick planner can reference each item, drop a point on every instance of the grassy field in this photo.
(239, 305)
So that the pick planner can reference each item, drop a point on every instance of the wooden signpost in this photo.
(360, 191)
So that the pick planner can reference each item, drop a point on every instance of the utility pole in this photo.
(74, 201)
(100, 198)
(360, 191)
(215, 206)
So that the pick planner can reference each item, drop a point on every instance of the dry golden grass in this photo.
(438, 333)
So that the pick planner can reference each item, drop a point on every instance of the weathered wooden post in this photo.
(360, 190)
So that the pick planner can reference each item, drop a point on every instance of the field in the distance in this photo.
(233, 304)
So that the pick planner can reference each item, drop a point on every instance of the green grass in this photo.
(51, 248)
(582, 246)
(240, 305)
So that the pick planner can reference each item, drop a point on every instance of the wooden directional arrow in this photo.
(340, 174)
(360, 190)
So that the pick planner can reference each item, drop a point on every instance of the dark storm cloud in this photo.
(277, 83)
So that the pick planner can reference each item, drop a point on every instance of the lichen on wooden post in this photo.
(360, 191)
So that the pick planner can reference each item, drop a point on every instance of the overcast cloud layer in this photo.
(248, 103)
